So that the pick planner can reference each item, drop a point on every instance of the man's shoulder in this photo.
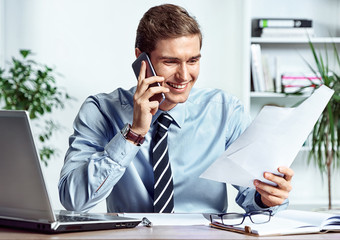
(119, 95)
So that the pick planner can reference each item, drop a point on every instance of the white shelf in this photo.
(295, 40)
(275, 95)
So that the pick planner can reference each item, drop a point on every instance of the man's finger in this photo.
(287, 172)
(269, 199)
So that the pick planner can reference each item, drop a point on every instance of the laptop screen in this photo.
(22, 189)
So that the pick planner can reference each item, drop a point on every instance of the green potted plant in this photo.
(31, 86)
(325, 143)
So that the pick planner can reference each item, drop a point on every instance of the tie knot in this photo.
(164, 120)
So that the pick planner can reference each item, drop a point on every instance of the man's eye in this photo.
(170, 62)
(193, 61)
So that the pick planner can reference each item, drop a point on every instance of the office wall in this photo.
(91, 43)
(2, 32)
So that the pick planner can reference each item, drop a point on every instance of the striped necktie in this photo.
(163, 184)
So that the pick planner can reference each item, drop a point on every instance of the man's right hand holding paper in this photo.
(275, 195)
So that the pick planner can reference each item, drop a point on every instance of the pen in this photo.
(146, 222)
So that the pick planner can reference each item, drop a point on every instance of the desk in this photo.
(156, 232)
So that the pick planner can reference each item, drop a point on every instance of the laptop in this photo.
(24, 199)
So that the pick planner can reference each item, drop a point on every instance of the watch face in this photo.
(125, 130)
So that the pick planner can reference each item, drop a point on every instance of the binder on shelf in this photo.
(282, 27)
(284, 23)
(262, 80)
(256, 68)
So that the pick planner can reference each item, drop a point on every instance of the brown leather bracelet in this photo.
(131, 135)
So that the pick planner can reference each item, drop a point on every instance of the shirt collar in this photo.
(177, 113)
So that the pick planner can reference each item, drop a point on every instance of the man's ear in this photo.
(137, 52)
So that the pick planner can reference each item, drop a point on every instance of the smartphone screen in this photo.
(136, 65)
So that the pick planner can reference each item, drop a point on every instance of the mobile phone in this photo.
(149, 72)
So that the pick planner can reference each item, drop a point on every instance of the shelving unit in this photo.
(291, 54)
(286, 55)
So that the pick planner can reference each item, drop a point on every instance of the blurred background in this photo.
(91, 44)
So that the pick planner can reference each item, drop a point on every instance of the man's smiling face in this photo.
(178, 61)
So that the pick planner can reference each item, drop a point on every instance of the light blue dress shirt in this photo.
(100, 164)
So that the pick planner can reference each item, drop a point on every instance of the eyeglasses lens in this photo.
(260, 217)
(232, 218)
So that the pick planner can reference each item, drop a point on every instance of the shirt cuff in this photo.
(121, 151)
(258, 200)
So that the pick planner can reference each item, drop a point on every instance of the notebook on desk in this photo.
(24, 201)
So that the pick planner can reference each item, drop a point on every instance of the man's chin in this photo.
(171, 102)
(176, 99)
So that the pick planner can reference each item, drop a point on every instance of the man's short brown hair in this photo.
(163, 22)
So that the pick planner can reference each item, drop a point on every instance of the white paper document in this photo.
(273, 139)
(171, 219)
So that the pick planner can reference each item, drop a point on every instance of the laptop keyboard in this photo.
(71, 218)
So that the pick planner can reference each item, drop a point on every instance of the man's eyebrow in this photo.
(175, 58)
(198, 56)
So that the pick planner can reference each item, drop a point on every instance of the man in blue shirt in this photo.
(106, 162)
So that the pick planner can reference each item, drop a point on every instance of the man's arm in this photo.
(95, 161)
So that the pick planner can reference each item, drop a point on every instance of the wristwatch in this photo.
(132, 136)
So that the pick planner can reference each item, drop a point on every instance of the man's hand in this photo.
(143, 108)
(271, 195)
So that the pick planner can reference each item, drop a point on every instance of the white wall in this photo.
(2, 32)
(310, 189)
(91, 43)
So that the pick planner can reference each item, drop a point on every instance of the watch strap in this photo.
(132, 136)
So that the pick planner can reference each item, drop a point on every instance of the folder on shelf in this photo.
(284, 23)
(256, 68)
(262, 80)
(282, 27)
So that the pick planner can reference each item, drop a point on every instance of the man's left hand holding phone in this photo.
(149, 94)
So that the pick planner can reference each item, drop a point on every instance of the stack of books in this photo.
(283, 28)
(297, 82)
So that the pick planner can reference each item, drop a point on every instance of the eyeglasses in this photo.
(234, 219)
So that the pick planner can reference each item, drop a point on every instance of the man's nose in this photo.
(183, 73)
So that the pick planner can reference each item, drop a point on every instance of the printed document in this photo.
(273, 139)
